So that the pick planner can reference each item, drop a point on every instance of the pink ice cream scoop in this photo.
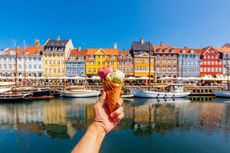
(104, 71)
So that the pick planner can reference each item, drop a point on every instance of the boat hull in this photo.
(80, 95)
(154, 94)
(14, 97)
(222, 93)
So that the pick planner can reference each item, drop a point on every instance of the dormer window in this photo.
(91, 57)
(165, 50)
(112, 57)
(158, 50)
(172, 50)
(191, 51)
(121, 56)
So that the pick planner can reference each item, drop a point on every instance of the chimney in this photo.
(142, 41)
(161, 43)
(115, 45)
(79, 48)
(37, 42)
(58, 37)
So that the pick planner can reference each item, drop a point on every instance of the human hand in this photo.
(102, 116)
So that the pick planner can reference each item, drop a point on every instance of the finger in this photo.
(117, 112)
(102, 97)
(119, 117)
(120, 102)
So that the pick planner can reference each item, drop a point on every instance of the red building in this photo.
(210, 62)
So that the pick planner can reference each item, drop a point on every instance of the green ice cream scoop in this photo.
(115, 77)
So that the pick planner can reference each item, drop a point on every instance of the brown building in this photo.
(166, 61)
(125, 62)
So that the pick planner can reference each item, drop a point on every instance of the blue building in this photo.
(189, 62)
(75, 64)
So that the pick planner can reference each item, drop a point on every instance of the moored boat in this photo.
(176, 91)
(222, 93)
(14, 97)
(3, 89)
(127, 96)
(37, 93)
(80, 93)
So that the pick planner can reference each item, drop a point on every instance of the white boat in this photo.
(80, 93)
(176, 91)
(222, 93)
(2, 90)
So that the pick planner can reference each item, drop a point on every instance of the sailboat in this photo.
(175, 91)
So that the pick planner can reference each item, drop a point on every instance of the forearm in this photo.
(91, 141)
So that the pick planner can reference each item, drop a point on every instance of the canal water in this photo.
(183, 126)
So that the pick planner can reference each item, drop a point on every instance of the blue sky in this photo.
(99, 23)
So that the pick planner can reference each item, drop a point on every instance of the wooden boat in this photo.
(14, 97)
(37, 93)
(176, 91)
(80, 93)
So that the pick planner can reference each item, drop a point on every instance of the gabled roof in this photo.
(56, 43)
(107, 51)
(76, 53)
(32, 50)
(204, 50)
(12, 51)
(125, 54)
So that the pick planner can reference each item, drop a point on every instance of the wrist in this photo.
(100, 128)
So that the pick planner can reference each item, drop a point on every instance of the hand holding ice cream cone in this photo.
(112, 82)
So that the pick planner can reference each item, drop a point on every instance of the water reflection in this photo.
(63, 118)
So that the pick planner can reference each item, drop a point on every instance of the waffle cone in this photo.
(113, 94)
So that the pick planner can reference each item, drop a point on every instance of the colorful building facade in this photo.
(75, 64)
(96, 58)
(225, 52)
(125, 63)
(30, 61)
(54, 56)
(143, 59)
(8, 62)
(166, 61)
(210, 62)
(188, 62)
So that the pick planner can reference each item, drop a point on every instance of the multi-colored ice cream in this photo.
(112, 81)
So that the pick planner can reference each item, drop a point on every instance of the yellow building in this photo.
(96, 58)
(140, 52)
(54, 56)
(141, 65)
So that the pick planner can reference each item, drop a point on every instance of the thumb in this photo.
(102, 97)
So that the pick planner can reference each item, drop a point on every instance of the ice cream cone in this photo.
(113, 94)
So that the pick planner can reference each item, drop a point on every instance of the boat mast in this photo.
(16, 65)
(149, 63)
